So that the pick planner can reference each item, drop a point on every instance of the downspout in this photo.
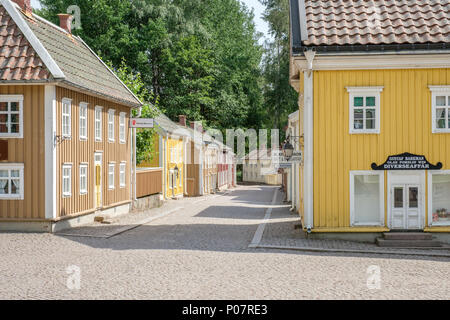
(309, 141)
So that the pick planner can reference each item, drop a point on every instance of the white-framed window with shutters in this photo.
(83, 178)
(11, 116)
(98, 123)
(122, 174)
(440, 108)
(365, 109)
(83, 121)
(111, 116)
(66, 118)
(67, 180)
(366, 198)
(111, 175)
(122, 127)
(11, 181)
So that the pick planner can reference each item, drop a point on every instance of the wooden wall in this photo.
(31, 152)
(148, 182)
(75, 151)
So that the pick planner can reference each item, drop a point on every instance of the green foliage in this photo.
(280, 98)
(144, 137)
(195, 57)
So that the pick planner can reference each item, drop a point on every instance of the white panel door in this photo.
(406, 204)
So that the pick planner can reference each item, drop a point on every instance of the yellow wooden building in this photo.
(374, 110)
(170, 154)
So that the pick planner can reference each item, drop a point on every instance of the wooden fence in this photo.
(148, 182)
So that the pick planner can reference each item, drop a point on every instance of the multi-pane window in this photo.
(66, 118)
(67, 180)
(98, 123)
(83, 178)
(122, 171)
(365, 109)
(11, 181)
(11, 116)
(111, 114)
(83, 121)
(111, 172)
(441, 108)
(122, 127)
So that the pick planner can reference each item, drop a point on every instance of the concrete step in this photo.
(408, 243)
(408, 236)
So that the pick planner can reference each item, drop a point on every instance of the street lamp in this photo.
(288, 150)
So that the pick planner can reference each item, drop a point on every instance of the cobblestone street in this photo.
(199, 249)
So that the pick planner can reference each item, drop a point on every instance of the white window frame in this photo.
(435, 92)
(10, 167)
(365, 92)
(111, 126)
(83, 118)
(381, 222)
(122, 174)
(122, 127)
(430, 198)
(99, 121)
(84, 191)
(65, 193)
(112, 182)
(13, 98)
(66, 101)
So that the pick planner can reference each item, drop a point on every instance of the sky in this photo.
(261, 25)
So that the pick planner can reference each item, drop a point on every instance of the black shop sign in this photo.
(407, 161)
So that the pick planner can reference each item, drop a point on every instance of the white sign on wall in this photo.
(142, 123)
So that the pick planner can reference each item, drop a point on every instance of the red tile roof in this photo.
(18, 60)
(367, 22)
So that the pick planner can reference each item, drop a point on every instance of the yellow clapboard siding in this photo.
(405, 127)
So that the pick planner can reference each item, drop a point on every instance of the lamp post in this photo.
(288, 150)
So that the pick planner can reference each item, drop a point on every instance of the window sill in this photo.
(11, 136)
(65, 196)
(364, 132)
(437, 131)
(16, 198)
(440, 224)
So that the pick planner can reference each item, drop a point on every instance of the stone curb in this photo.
(125, 228)
(310, 249)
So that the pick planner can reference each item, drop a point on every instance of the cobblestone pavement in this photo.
(201, 252)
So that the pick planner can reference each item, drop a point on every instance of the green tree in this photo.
(280, 98)
(195, 57)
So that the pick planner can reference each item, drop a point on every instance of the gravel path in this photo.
(201, 252)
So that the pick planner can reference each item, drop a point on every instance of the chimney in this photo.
(182, 120)
(25, 5)
(65, 22)
(197, 125)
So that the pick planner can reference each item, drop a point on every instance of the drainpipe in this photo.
(309, 141)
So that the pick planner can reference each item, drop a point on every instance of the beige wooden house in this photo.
(65, 148)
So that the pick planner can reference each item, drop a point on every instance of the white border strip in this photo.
(257, 238)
